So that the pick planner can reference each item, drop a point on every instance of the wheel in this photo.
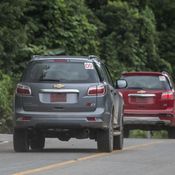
(105, 139)
(118, 140)
(37, 142)
(20, 140)
(126, 133)
(171, 133)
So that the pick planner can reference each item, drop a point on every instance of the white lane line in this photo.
(3, 142)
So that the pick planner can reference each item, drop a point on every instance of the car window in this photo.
(147, 82)
(75, 72)
(108, 75)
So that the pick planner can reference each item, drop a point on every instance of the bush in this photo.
(144, 134)
(6, 94)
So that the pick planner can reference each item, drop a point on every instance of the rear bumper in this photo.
(145, 120)
(152, 118)
(65, 120)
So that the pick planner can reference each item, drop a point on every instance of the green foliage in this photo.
(129, 42)
(138, 134)
(61, 24)
(160, 134)
(96, 4)
(6, 93)
(12, 33)
(165, 14)
(144, 134)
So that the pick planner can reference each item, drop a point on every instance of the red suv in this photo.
(149, 102)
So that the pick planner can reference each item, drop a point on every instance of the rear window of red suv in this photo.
(147, 82)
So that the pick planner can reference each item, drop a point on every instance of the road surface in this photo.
(80, 157)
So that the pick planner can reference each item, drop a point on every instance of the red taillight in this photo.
(24, 118)
(23, 90)
(167, 96)
(91, 119)
(96, 90)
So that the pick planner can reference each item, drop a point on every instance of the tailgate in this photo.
(146, 100)
(71, 98)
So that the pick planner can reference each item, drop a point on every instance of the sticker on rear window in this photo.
(162, 78)
(88, 66)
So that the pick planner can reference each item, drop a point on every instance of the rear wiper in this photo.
(135, 88)
(49, 80)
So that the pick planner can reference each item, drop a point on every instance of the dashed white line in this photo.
(3, 142)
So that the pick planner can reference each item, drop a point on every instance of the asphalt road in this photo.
(80, 157)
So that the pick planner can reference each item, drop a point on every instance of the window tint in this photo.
(60, 71)
(147, 82)
(108, 75)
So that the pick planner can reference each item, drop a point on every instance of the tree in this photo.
(6, 94)
(96, 4)
(61, 24)
(129, 41)
(12, 33)
(165, 17)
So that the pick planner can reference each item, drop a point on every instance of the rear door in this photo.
(60, 85)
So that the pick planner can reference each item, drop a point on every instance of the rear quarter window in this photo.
(147, 82)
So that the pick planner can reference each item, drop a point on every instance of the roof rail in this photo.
(164, 73)
(35, 56)
(92, 57)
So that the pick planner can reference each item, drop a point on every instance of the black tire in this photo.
(20, 140)
(171, 133)
(37, 142)
(105, 139)
(126, 133)
(118, 140)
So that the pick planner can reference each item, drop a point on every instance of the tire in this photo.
(20, 140)
(37, 142)
(171, 133)
(105, 139)
(118, 140)
(126, 133)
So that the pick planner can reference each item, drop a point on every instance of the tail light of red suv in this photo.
(169, 95)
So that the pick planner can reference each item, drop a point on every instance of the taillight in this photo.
(24, 118)
(23, 90)
(97, 90)
(167, 95)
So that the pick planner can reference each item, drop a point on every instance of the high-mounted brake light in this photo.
(167, 95)
(61, 60)
(58, 60)
(97, 90)
(23, 90)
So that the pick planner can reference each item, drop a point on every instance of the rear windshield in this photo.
(66, 72)
(147, 82)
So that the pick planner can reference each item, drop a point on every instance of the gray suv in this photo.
(67, 97)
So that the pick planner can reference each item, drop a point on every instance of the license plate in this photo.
(57, 97)
(146, 100)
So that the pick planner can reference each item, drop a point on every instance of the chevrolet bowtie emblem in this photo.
(58, 86)
(141, 92)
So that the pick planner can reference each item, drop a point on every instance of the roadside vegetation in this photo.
(148, 134)
(129, 35)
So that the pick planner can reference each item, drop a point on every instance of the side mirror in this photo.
(121, 84)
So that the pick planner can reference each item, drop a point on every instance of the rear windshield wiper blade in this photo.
(135, 88)
(50, 80)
